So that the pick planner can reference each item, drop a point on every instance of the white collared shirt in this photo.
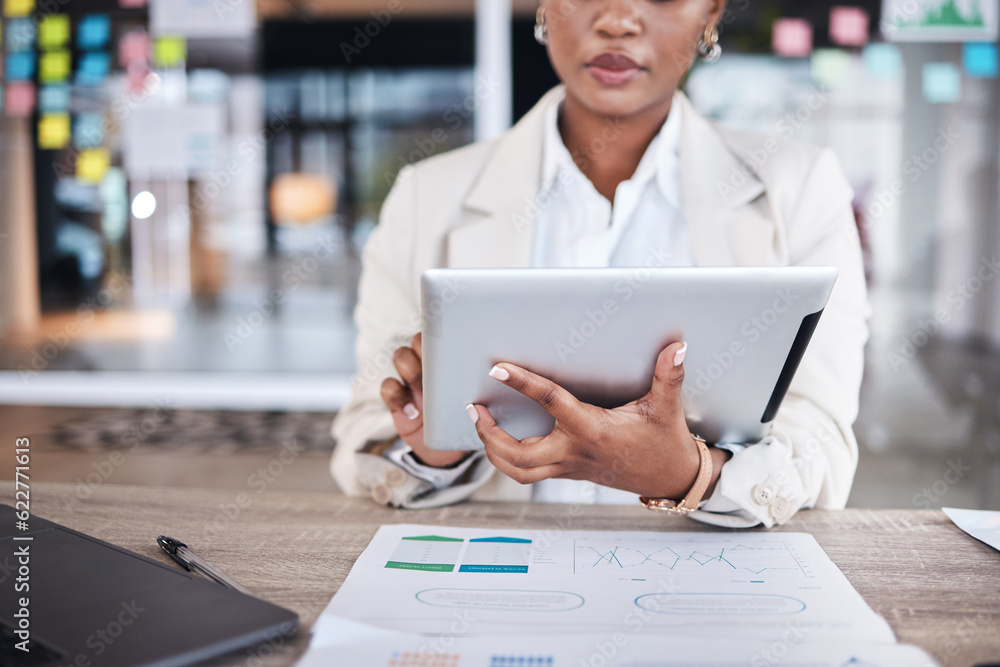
(576, 226)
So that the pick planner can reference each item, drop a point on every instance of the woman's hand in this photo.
(405, 401)
(644, 447)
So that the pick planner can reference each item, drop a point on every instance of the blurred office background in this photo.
(187, 185)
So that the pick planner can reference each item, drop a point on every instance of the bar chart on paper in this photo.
(497, 554)
(430, 553)
(434, 553)
(638, 559)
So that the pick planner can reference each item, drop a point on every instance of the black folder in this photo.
(70, 599)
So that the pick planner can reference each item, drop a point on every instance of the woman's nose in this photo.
(618, 18)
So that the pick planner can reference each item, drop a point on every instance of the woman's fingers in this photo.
(399, 400)
(410, 369)
(397, 397)
(524, 463)
(664, 395)
(557, 401)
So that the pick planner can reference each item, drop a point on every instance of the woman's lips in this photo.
(614, 69)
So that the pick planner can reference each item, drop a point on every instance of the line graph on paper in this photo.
(637, 559)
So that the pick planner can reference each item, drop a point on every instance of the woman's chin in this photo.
(615, 101)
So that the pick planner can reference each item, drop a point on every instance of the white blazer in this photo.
(749, 200)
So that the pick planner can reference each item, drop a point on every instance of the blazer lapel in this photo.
(726, 224)
(500, 208)
(726, 227)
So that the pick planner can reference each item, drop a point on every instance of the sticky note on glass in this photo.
(92, 164)
(169, 51)
(53, 99)
(93, 68)
(21, 35)
(18, 7)
(792, 38)
(20, 66)
(830, 67)
(93, 31)
(53, 31)
(942, 83)
(133, 48)
(849, 26)
(19, 99)
(88, 130)
(980, 60)
(53, 66)
(883, 61)
(53, 131)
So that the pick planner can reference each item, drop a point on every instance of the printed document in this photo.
(432, 588)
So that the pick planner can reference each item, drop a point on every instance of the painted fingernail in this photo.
(473, 415)
(680, 354)
(410, 410)
(499, 374)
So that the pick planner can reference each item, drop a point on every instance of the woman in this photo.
(612, 168)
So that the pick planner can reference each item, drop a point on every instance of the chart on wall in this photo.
(940, 20)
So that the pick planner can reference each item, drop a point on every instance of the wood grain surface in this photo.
(937, 587)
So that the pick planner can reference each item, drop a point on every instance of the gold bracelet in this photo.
(694, 496)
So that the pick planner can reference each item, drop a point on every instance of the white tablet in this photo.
(597, 332)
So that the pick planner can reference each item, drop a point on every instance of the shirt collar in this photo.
(659, 162)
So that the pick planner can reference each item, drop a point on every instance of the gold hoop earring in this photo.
(708, 45)
(541, 32)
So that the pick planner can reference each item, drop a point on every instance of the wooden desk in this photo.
(937, 587)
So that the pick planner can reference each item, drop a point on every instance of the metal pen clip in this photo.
(192, 562)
